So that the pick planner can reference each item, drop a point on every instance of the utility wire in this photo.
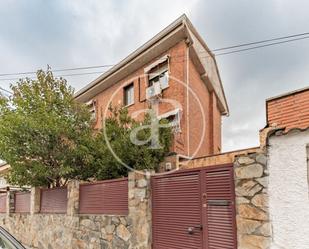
(259, 42)
(261, 46)
(5, 90)
(218, 54)
(58, 70)
(61, 75)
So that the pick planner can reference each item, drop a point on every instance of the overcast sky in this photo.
(79, 33)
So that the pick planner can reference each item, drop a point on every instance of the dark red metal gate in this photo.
(194, 209)
(176, 206)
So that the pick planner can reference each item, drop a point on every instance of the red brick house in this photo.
(175, 64)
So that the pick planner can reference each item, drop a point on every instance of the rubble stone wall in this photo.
(252, 212)
(73, 230)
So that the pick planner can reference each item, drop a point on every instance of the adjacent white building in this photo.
(289, 188)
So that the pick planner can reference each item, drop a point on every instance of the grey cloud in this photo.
(251, 77)
(35, 28)
(80, 33)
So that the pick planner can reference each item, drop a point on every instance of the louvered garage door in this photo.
(176, 206)
(194, 209)
(219, 211)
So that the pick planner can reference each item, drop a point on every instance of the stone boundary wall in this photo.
(252, 212)
(72, 230)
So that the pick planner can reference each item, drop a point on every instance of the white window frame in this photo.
(91, 104)
(158, 73)
(163, 59)
(176, 124)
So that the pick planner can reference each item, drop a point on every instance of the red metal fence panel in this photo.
(54, 200)
(220, 214)
(177, 211)
(2, 203)
(22, 202)
(104, 197)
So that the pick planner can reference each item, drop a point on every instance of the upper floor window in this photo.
(173, 118)
(159, 74)
(128, 97)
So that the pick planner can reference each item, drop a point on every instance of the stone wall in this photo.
(252, 215)
(140, 210)
(54, 231)
(72, 230)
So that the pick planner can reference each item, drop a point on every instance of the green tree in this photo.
(45, 135)
(117, 130)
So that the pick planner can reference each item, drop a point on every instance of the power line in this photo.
(214, 50)
(259, 42)
(261, 46)
(218, 54)
(61, 75)
(5, 90)
(58, 70)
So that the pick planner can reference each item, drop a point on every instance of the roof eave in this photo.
(198, 36)
(288, 94)
(181, 25)
(177, 23)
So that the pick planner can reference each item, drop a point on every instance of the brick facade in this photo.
(193, 82)
(289, 111)
(187, 141)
